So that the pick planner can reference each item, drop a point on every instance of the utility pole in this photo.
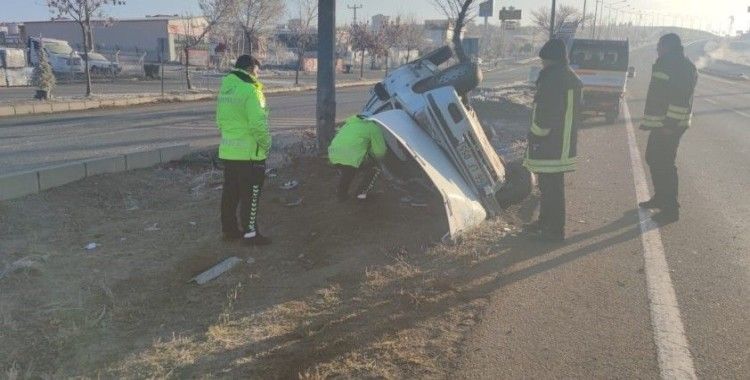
(596, 15)
(583, 19)
(552, 20)
(326, 91)
(354, 8)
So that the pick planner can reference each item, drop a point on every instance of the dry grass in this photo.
(345, 291)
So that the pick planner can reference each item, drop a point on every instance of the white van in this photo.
(62, 57)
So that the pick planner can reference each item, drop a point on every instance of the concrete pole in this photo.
(583, 19)
(552, 20)
(326, 92)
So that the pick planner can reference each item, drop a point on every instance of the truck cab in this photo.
(62, 57)
(603, 67)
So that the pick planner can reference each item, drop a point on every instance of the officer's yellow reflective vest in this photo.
(242, 118)
(355, 140)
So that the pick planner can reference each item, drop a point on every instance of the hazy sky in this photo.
(706, 12)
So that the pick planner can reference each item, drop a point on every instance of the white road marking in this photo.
(738, 112)
(675, 360)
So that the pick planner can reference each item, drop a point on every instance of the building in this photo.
(152, 36)
(438, 32)
(379, 21)
(10, 34)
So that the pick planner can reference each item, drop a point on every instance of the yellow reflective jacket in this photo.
(356, 138)
(242, 118)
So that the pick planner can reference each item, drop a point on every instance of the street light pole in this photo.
(326, 91)
(552, 20)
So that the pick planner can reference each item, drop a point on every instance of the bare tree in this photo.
(392, 35)
(82, 11)
(256, 17)
(459, 13)
(362, 40)
(198, 28)
(540, 18)
(302, 31)
(413, 36)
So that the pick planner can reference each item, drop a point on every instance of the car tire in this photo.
(518, 186)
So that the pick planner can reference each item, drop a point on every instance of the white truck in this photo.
(603, 66)
(432, 134)
(62, 57)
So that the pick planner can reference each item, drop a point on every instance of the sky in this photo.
(694, 11)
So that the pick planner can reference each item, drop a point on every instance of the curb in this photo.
(82, 105)
(16, 185)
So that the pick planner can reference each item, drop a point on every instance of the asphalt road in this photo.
(173, 82)
(34, 141)
(594, 308)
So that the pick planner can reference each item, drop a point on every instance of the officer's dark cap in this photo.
(246, 62)
(554, 50)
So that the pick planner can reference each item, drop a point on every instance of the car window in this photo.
(599, 57)
(58, 48)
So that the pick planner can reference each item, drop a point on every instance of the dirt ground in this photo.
(346, 290)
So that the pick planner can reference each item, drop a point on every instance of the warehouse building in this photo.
(151, 37)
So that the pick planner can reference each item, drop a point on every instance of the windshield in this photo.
(58, 48)
(96, 57)
(599, 55)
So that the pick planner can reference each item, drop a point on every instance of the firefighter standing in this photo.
(242, 118)
(350, 151)
(552, 139)
(669, 107)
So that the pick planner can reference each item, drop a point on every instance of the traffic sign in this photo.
(510, 14)
(487, 9)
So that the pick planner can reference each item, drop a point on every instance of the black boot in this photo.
(232, 235)
(653, 203)
(255, 238)
(667, 215)
(531, 228)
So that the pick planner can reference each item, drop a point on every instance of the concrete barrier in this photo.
(42, 107)
(24, 109)
(18, 184)
(140, 160)
(7, 111)
(76, 106)
(60, 175)
(60, 106)
(105, 165)
(173, 153)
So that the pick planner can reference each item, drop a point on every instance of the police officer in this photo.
(669, 108)
(351, 151)
(245, 141)
(552, 139)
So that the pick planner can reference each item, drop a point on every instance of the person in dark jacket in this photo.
(552, 139)
(669, 108)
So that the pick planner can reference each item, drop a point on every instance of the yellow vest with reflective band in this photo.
(669, 102)
(242, 118)
(355, 140)
(552, 139)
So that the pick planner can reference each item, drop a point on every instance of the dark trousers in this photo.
(661, 153)
(552, 202)
(243, 182)
(347, 174)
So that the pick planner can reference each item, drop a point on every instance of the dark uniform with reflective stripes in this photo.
(552, 141)
(669, 107)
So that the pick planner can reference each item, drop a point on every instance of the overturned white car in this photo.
(429, 126)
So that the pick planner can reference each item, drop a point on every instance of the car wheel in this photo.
(518, 186)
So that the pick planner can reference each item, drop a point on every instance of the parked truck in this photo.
(603, 66)
(63, 59)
